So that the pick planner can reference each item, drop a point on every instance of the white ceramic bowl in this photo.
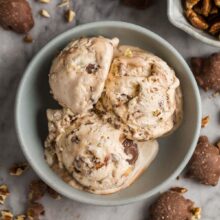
(34, 98)
(177, 18)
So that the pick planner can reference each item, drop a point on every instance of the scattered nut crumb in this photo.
(6, 215)
(179, 189)
(4, 193)
(18, 169)
(205, 121)
(34, 211)
(44, 1)
(37, 189)
(20, 217)
(53, 193)
(156, 113)
(196, 213)
(28, 39)
(44, 13)
(70, 15)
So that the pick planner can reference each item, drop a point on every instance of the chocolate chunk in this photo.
(37, 189)
(173, 206)
(131, 148)
(207, 71)
(92, 68)
(140, 4)
(75, 139)
(204, 165)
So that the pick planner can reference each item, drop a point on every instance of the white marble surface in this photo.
(14, 57)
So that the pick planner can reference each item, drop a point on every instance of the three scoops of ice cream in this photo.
(116, 101)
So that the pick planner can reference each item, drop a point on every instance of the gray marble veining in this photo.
(14, 58)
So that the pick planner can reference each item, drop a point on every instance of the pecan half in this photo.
(215, 28)
(206, 7)
(196, 20)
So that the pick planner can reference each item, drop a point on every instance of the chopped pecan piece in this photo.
(206, 7)
(6, 215)
(179, 189)
(205, 121)
(196, 20)
(215, 28)
(4, 193)
(18, 169)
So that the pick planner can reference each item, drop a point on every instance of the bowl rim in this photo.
(188, 30)
(118, 201)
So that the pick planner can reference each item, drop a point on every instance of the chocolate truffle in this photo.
(171, 205)
(204, 165)
(207, 71)
(16, 15)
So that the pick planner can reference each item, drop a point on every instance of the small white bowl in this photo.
(177, 18)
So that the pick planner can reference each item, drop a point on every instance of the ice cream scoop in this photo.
(142, 95)
(77, 75)
(98, 157)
